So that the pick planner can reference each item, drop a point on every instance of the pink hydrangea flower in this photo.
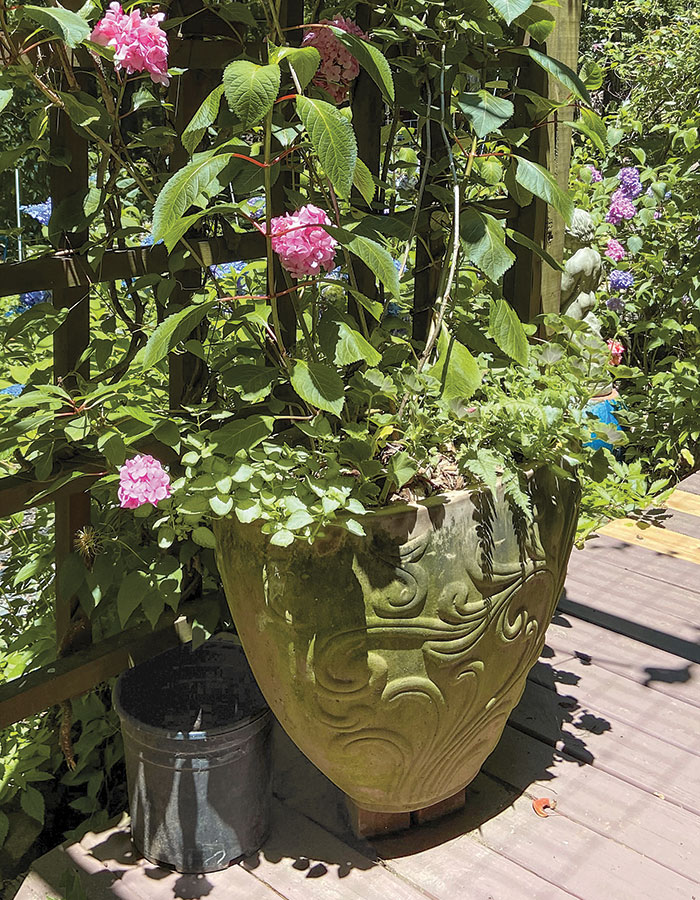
(303, 250)
(615, 250)
(140, 44)
(338, 66)
(142, 480)
(616, 352)
(621, 207)
(595, 174)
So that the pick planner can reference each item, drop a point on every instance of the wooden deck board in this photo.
(608, 726)
(632, 756)
(658, 670)
(593, 798)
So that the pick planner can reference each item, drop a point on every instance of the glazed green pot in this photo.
(394, 660)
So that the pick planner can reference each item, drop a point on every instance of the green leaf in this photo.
(299, 519)
(592, 136)
(248, 511)
(561, 72)
(371, 59)
(544, 185)
(372, 254)
(592, 75)
(204, 537)
(221, 507)
(485, 112)
(304, 60)
(507, 331)
(516, 191)
(346, 344)
(132, 590)
(169, 333)
(456, 369)
(166, 536)
(634, 244)
(364, 182)
(615, 135)
(333, 139)
(202, 119)
(29, 570)
(485, 243)
(402, 467)
(352, 347)
(318, 385)
(84, 110)
(67, 25)
(537, 21)
(282, 538)
(355, 527)
(5, 97)
(174, 235)
(252, 383)
(525, 241)
(112, 445)
(191, 186)
(510, 9)
(32, 803)
(251, 90)
(242, 434)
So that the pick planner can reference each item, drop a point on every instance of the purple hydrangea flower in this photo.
(39, 211)
(630, 183)
(14, 390)
(31, 298)
(616, 304)
(621, 281)
(667, 195)
(26, 301)
(658, 213)
(595, 174)
(621, 207)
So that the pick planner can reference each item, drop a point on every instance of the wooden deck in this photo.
(609, 726)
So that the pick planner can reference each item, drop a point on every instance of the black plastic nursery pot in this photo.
(197, 744)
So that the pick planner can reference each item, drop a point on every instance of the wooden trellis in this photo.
(530, 287)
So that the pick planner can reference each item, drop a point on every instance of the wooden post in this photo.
(71, 339)
(430, 243)
(368, 118)
(186, 371)
(531, 285)
(563, 45)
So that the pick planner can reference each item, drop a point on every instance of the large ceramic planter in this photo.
(394, 660)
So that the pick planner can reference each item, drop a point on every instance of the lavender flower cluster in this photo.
(621, 281)
(26, 301)
(630, 182)
(616, 304)
(621, 205)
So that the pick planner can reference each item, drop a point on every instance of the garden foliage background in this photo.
(641, 60)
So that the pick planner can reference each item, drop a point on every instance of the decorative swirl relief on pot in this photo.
(395, 662)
